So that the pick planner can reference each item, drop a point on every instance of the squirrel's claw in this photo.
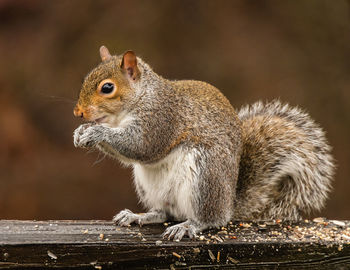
(78, 133)
(178, 231)
(87, 135)
(125, 218)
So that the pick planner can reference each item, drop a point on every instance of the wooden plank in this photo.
(101, 245)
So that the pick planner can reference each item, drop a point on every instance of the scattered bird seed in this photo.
(345, 237)
(51, 255)
(180, 263)
(217, 238)
(338, 223)
(196, 250)
(211, 255)
(270, 222)
(232, 260)
(176, 255)
(93, 263)
(318, 220)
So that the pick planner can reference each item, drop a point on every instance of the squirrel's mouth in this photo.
(100, 120)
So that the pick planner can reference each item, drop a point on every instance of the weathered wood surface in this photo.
(101, 245)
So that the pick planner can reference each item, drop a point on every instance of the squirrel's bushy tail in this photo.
(286, 167)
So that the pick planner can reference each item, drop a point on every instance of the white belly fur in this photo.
(170, 184)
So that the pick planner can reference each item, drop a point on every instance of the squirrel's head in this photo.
(107, 87)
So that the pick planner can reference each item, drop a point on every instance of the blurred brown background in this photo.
(298, 51)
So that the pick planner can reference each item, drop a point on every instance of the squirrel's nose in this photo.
(78, 111)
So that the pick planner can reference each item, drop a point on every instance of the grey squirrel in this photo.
(194, 158)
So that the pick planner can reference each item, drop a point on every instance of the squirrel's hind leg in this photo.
(212, 194)
(126, 217)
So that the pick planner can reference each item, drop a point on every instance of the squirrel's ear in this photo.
(129, 65)
(104, 53)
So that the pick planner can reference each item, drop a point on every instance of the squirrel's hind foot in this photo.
(177, 232)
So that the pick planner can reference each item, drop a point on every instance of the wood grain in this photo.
(102, 245)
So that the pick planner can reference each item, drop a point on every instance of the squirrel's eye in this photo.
(107, 88)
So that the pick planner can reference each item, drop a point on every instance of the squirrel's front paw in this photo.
(88, 135)
(126, 217)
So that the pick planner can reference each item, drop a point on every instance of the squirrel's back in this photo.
(286, 167)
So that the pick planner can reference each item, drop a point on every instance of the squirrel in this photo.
(195, 159)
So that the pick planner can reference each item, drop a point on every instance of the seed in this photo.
(318, 220)
(51, 255)
(176, 255)
(232, 260)
(211, 255)
(338, 223)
